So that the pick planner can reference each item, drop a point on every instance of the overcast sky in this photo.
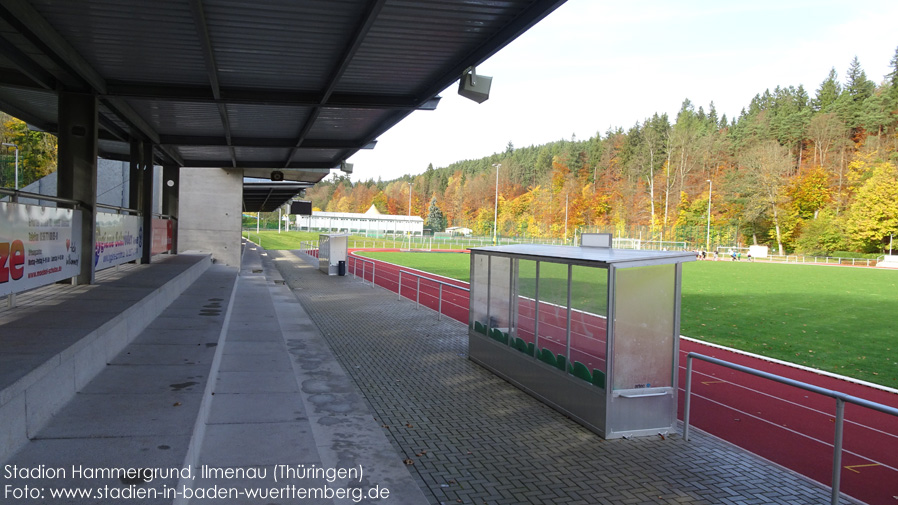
(593, 64)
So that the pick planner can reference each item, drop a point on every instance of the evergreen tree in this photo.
(874, 114)
(712, 116)
(857, 90)
(435, 218)
(892, 80)
(857, 85)
(801, 97)
(828, 93)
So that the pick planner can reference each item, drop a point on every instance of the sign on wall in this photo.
(38, 246)
(118, 239)
(163, 231)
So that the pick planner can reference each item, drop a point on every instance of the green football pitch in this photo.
(839, 319)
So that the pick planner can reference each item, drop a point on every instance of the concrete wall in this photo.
(112, 185)
(211, 201)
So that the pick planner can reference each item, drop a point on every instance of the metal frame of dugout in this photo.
(332, 249)
(539, 319)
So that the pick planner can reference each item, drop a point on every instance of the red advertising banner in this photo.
(163, 231)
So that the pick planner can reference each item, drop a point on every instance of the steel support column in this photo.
(146, 200)
(135, 176)
(77, 168)
(170, 193)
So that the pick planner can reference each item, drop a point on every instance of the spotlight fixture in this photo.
(474, 87)
(277, 176)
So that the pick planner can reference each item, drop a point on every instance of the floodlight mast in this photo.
(708, 240)
(496, 207)
(17, 162)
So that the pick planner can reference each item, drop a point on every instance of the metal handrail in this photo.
(117, 208)
(418, 290)
(38, 196)
(364, 261)
(305, 246)
(841, 400)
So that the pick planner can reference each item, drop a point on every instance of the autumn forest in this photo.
(804, 171)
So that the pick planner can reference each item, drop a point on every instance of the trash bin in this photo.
(341, 268)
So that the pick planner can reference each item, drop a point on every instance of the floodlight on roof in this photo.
(474, 87)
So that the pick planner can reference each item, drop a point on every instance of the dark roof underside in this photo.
(290, 85)
(267, 196)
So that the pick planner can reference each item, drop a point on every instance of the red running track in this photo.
(786, 425)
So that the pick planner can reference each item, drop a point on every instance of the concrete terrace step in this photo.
(281, 400)
(59, 337)
(139, 412)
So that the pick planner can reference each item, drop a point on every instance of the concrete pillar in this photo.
(77, 168)
(171, 188)
(212, 201)
(146, 200)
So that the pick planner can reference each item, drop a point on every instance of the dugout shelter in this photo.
(591, 331)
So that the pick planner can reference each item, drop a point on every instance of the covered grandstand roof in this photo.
(287, 85)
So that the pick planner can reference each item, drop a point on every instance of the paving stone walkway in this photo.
(470, 437)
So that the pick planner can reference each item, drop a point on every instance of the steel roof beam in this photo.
(325, 166)
(349, 52)
(259, 96)
(535, 13)
(121, 109)
(24, 18)
(29, 118)
(264, 142)
(112, 131)
(199, 20)
(36, 73)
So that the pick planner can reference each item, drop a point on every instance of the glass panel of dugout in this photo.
(545, 318)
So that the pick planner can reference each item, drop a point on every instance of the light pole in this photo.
(17, 162)
(708, 240)
(409, 224)
(565, 218)
(496, 207)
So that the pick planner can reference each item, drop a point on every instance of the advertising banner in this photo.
(163, 230)
(38, 246)
(118, 240)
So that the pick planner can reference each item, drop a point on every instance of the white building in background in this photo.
(371, 223)
(459, 231)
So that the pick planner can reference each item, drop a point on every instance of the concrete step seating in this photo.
(152, 419)
(59, 337)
